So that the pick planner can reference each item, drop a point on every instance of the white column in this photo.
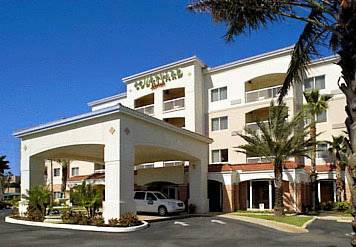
(334, 189)
(32, 174)
(198, 185)
(250, 194)
(270, 194)
(119, 177)
(319, 191)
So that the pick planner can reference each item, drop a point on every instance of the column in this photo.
(250, 206)
(198, 185)
(32, 174)
(119, 178)
(270, 194)
(334, 189)
(319, 191)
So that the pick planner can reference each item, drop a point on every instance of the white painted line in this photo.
(218, 221)
(181, 223)
(349, 234)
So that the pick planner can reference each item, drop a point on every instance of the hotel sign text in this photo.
(158, 80)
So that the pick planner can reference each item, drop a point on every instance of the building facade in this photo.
(219, 102)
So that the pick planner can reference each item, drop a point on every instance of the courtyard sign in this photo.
(159, 79)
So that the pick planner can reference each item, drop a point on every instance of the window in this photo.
(321, 118)
(150, 197)
(220, 155)
(317, 82)
(58, 195)
(322, 151)
(218, 94)
(56, 172)
(140, 196)
(75, 171)
(160, 196)
(220, 123)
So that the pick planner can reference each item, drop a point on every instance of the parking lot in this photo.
(200, 231)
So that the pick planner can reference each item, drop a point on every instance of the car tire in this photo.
(162, 211)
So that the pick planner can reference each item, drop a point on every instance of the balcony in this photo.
(174, 104)
(262, 94)
(148, 109)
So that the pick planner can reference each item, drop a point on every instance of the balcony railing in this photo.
(174, 104)
(262, 94)
(147, 109)
(253, 160)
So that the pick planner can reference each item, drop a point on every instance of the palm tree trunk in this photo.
(313, 172)
(339, 182)
(348, 69)
(278, 182)
(65, 167)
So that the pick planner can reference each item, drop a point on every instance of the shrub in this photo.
(113, 222)
(97, 220)
(128, 219)
(72, 217)
(38, 200)
(14, 212)
(342, 206)
(35, 214)
(327, 206)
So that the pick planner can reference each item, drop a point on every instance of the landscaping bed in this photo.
(295, 220)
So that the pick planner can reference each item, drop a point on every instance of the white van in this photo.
(156, 202)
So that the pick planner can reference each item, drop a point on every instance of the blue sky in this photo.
(58, 55)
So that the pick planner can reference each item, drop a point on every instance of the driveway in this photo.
(205, 231)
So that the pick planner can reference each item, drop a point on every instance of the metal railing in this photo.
(147, 109)
(174, 104)
(262, 94)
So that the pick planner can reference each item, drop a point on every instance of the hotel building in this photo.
(218, 102)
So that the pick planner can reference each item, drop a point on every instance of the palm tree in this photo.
(316, 104)
(64, 167)
(329, 23)
(338, 150)
(4, 165)
(277, 140)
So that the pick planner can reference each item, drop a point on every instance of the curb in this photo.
(338, 219)
(79, 227)
(272, 224)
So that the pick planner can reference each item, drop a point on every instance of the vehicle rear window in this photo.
(139, 196)
(160, 196)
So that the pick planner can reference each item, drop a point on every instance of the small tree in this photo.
(338, 150)
(316, 104)
(4, 165)
(277, 140)
(85, 195)
(38, 199)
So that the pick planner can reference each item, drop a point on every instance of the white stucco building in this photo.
(174, 130)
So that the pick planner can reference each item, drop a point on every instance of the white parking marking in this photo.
(349, 234)
(218, 221)
(181, 223)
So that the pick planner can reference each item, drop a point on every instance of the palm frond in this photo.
(239, 15)
(304, 49)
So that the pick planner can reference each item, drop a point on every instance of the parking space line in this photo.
(181, 223)
(219, 222)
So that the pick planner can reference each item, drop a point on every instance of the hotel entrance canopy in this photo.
(120, 138)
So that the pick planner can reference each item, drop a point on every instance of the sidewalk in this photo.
(269, 223)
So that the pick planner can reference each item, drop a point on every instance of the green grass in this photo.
(288, 219)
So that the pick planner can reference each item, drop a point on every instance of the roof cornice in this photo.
(107, 99)
(182, 62)
(253, 59)
(105, 112)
